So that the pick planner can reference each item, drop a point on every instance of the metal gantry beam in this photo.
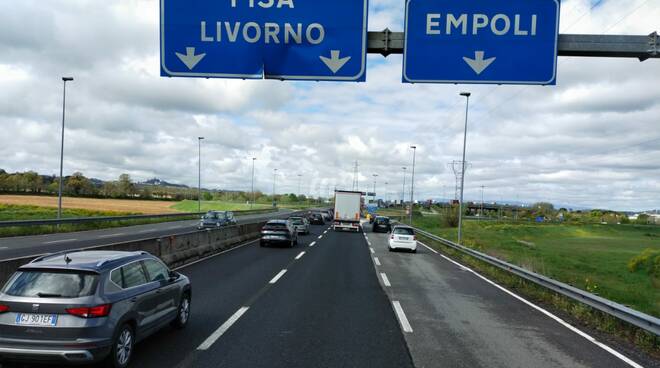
(387, 42)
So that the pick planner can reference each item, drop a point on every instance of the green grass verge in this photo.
(192, 206)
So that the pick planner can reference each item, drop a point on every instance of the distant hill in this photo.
(162, 183)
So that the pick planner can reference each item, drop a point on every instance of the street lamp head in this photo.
(200, 138)
(413, 147)
(67, 79)
(466, 94)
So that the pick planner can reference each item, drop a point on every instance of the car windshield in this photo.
(297, 221)
(403, 231)
(52, 284)
(211, 216)
(382, 220)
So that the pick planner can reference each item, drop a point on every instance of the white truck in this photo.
(348, 209)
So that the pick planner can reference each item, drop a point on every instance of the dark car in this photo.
(316, 218)
(279, 232)
(215, 219)
(87, 306)
(382, 224)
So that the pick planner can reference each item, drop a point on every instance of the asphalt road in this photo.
(22, 246)
(343, 300)
(459, 319)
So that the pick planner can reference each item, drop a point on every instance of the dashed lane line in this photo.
(222, 329)
(372, 250)
(277, 277)
(401, 315)
(312, 244)
(299, 255)
(386, 281)
(376, 261)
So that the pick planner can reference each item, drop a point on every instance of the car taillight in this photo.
(414, 238)
(4, 308)
(91, 312)
(392, 237)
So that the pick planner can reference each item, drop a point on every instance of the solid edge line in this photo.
(215, 255)
(403, 320)
(222, 329)
(277, 277)
(299, 255)
(386, 281)
(547, 313)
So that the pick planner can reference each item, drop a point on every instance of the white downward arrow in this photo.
(334, 62)
(478, 64)
(190, 59)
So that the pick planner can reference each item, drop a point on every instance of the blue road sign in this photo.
(275, 39)
(481, 41)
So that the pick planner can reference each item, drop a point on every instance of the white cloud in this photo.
(589, 141)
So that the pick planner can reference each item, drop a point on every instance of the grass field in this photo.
(10, 212)
(191, 206)
(92, 204)
(591, 257)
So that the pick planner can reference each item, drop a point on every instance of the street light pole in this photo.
(482, 202)
(375, 176)
(299, 184)
(253, 196)
(199, 174)
(274, 181)
(59, 197)
(412, 185)
(403, 191)
(387, 192)
(460, 214)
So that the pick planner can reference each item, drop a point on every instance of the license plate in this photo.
(403, 238)
(29, 319)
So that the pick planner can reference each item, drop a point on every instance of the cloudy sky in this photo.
(593, 140)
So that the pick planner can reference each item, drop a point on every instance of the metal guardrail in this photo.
(84, 220)
(636, 318)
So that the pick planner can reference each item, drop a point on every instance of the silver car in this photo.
(301, 224)
(87, 306)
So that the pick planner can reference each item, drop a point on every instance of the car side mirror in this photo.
(173, 276)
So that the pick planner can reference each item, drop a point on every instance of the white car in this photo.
(403, 237)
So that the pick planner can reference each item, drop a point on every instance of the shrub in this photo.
(649, 260)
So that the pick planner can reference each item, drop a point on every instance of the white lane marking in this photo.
(427, 247)
(369, 243)
(554, 317)
(386, 281)
(372, 250)
(376, 261)
(325, 232)
(312, 244)
(405, 325)
(300, 255)
(111, 235)
(2, 248)
(277, 277)
(222, 329)
(214, 255)
(320, 236)
(146, 231)
(59, 241)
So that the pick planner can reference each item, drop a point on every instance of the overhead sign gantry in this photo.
(274, 39)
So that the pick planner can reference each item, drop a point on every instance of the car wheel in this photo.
(122, 347)
(390, 249)
(184, 312)
(262, 244)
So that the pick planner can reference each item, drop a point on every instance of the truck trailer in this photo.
(348, 210)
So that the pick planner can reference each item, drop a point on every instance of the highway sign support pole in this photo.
(412, 185)
(252, 188)
(403, 193)
(199, 174)
(460, 213)
(59, 196)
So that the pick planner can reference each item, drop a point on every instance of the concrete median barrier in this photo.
(175, 250)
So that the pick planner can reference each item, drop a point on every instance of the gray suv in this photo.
(87, 306)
